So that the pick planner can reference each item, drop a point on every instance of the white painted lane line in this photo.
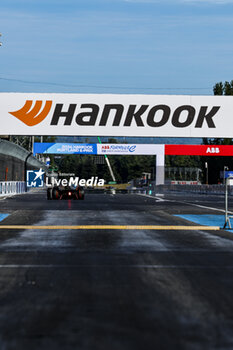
(157, 199)
(205, 207)
(184, 202)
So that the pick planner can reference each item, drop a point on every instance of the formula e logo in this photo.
(132, 148)
(33, 116)
(35, 178)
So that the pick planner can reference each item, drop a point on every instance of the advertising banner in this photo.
(115, 115)
(65, 148)
(199, 150)
(92, 148)
(130, 149)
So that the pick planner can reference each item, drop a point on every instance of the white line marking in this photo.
(203, 206)
(158, 199)
(184, 202)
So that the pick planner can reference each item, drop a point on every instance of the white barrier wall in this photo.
(12, 187)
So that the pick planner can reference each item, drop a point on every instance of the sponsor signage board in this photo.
(132, 149)
(129, 149)
(64, 148)
(100, 149)
(116, 115)
(199, 150)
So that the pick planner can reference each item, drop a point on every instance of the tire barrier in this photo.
(12, 187)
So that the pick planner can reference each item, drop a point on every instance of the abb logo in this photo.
(199, 150)
(213, 150)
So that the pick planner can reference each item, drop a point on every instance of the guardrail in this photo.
(12, 187)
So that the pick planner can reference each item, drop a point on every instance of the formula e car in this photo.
(65, 192)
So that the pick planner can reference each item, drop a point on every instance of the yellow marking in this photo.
(107, 227)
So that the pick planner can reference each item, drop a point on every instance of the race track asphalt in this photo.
(88, 287)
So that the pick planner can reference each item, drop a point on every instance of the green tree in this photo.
(216, 164)
(218, 89)
(223, 88)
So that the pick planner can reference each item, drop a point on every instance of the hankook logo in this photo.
(33, 116)
(90, 114)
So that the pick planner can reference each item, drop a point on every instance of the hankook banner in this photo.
(116, 115)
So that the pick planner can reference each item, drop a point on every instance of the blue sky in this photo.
(115, 46)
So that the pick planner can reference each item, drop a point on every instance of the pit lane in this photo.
(114, 287)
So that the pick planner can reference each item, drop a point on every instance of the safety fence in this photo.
(12, 187)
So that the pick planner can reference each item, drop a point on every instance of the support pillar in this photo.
(160, 167)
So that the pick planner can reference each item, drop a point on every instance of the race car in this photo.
(65, 192)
